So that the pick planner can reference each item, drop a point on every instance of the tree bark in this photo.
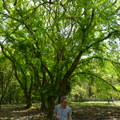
(43, 103)
(28, 100)
(51, 105)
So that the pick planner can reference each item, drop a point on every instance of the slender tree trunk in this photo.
(90, 91)
(1, 99)
(28, 100)
(44, 81)
(43, 103)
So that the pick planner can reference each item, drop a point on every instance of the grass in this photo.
(92, 103)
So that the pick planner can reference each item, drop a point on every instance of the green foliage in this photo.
(51, 43)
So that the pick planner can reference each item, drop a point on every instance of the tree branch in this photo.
(91, 19)
(20, 21)
(5, 6)
(47, 2)
(72, 68)
(114, 2)
(101, 40)
(91, 74)
(15, 2)
(48, 71)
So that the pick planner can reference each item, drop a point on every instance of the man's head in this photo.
(64, 101)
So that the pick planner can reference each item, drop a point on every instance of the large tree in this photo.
(59, 34)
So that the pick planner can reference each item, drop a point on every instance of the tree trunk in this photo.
(28, 100)
(64, 89)
(1, 99)
(51, 105)
(43, 103)
(90, 93)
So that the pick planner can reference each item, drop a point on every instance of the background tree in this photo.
(6, 72)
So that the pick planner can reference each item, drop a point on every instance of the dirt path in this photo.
(79, 113)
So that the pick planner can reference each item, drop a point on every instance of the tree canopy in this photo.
(51, 42)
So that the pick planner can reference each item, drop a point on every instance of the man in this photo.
(63, 111)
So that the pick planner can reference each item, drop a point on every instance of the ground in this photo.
(96, 113)
(85, 112)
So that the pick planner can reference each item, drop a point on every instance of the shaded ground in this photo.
(20, 113)
(79, 113)
(96, 113)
